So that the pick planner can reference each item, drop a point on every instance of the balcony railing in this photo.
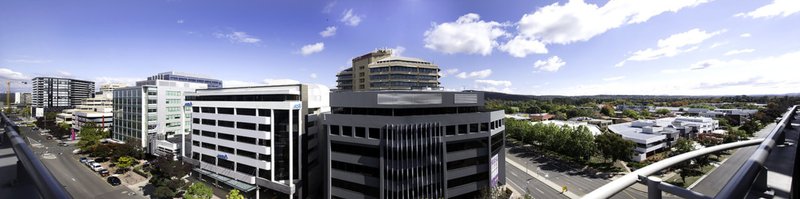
(752, 174)
(28, 163)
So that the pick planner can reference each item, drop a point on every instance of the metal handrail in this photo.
(739, 185)
(45, 182)
(614, 187)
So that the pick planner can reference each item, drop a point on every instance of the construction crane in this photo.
(8, 95)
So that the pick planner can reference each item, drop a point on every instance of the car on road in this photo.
(96, 166)
(103, 172)
(114, 181)
(83, 160)
(64, 144)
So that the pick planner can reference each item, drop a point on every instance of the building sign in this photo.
(222, 156)
(495, 171)
(39, 112)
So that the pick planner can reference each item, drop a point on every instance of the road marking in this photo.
(540, 191)
(512, 173)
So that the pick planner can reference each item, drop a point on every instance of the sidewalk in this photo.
(549, 183)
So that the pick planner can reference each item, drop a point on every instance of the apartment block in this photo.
(55, 94)
(257, 139)
(411, 144)
(380, 70)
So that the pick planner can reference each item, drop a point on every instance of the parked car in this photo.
(84, 159)
(114, 181)
(103, 172)
(89, 162)
(35, 128)
(96, 166)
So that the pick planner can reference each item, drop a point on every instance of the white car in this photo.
(96, 166)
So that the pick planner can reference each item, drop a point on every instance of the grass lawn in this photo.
(676, 180)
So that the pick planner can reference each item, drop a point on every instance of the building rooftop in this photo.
(592, 128)
(399, 58)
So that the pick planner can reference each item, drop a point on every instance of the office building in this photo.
(379, 70)
(186, 77)
(52, 94)
(97, 110)
(411, 144)
(255, 139)
(108, 89)
(151, 112)
(653, 136)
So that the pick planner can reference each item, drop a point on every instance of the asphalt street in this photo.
(79, 180)
(523, 183)
(717, 179)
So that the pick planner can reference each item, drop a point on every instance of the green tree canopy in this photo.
(234, 194)
(663, 111)
(125, 162)
(608, 110)
(614, 147)
(198, 190)
(630, 113)
(163, 192)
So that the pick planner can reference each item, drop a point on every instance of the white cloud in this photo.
(608, 79)
(705, 64)
(398, 51)
(739, 51)
(328, 7)
(9, 74)
(475, 74)
(64, 73)
(312, 48)
(28, 61)
(468, 34)
(673, 45)
(238, 37)
(745, 35)
(448, 72)
(781, 8)
(280, 81)
(180, 21)
(577, 20)
(329, 31)
(313, 75)
(552, 64)
(521, 46)
(718, 44)
(493, 85)
(130, 81)
(351, 19)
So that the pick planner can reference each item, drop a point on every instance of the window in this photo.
(369, 151)
(484, 126)
(246, 111)
(195, 132)
(263, 142)
(462, 129)
(209, 159)
(228, 111)
(347, 131)
(264, 174)
(209, 134)
(225, 123)
(264, 157)
(196, 120)
(245, 169)
(208, 110)
(246, 125)
(375, 133)
(226, 136)
(209, 122)
(473, 128)
(195, 143)
(245, 153)
(450, 130)
(360, 132)
(209, 146)
(196, 109)
(245, 139)
(226, 149)
(264, 112)
(334, 129)
(225, 163)
(466, 179)
(264, 127)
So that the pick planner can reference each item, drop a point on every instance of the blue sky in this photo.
(692, 47)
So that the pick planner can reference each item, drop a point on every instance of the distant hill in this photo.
(490, 95)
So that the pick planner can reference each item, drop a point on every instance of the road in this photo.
(78, 179)
(523, 183)
(559, 174)
(717, 179)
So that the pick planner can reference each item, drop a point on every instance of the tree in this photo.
(198, 190)
(125, 162)
(163, 192)
(751, 127)
(663, 111)
(234, 194)
(614, 147)
(169, 168)
(687, 169)
(630, 113)
(608, 110)
(90, 136)
(644, 113)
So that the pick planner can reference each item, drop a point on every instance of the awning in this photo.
(245, 187)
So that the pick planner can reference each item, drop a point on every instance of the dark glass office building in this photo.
(411, 144)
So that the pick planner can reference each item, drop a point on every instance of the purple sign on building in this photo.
(495, 171)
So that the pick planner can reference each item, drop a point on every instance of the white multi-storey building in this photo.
(55, 94)
(150, 112)
(255, 139)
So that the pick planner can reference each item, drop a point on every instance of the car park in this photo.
(114, 181)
